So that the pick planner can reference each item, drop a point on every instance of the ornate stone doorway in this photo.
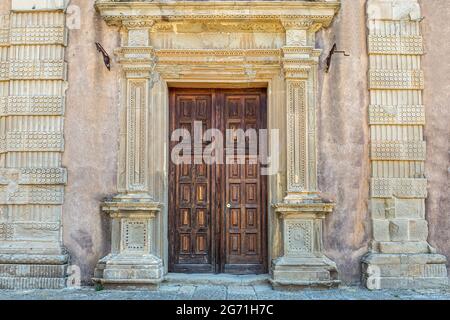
(218, 209)
(220, 44)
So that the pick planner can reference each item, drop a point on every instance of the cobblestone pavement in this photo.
(222, 292)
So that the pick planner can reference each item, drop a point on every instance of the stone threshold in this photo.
(215, 279)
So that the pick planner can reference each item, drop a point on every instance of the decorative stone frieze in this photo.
(33, 141)
(30, 106)
(39, 35)
(399, 114)
(395, 44)
(272, 45)
(31, 181)
(398, 150)
(399, 187)
(26, 194)
(400, 256)
(396, 79)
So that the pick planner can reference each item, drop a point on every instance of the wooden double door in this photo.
(217, 211)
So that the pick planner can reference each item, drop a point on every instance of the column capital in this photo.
(136, 62)
(136, 33)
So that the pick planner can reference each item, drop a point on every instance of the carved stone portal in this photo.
(176, 44)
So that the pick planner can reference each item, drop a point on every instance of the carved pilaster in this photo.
(300, 69)
(135, 259)
(301, 216)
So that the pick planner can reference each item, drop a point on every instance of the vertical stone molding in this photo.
(303, 210)
(32, 103)
(400, 256)
(134, 261)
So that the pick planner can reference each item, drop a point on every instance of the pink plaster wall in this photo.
(436, 65)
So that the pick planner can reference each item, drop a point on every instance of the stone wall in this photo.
(92, 133)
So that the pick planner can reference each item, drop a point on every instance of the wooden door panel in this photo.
(244, 190)
(205, 235)
(190, 193)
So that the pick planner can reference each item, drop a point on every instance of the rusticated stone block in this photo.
(381, 230)
(406, 208)
(398, 230)
(404, 271)
(404, 247)
(378, 208)
(418, 230)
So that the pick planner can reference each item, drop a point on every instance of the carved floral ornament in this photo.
(260, 16)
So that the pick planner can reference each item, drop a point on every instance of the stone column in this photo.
(134, 261)
(400, 256)
(303, 210)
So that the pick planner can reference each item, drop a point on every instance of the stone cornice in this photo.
(321, 12)
(321, 207)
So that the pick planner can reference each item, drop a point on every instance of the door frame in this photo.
(218, 179)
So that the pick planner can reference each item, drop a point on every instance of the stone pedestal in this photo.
(303, 263)
(133, 262)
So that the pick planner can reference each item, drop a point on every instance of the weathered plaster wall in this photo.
(343, 140)
(92, 128)
(437, 130)
(91, 132)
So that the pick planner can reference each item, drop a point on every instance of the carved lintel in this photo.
(114, 12)
(138, 24)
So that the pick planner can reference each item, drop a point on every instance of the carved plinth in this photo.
(303, 263)
(401, 271)
(33, 271)
(133, 261)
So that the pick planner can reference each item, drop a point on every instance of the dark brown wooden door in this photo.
(217, 212)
